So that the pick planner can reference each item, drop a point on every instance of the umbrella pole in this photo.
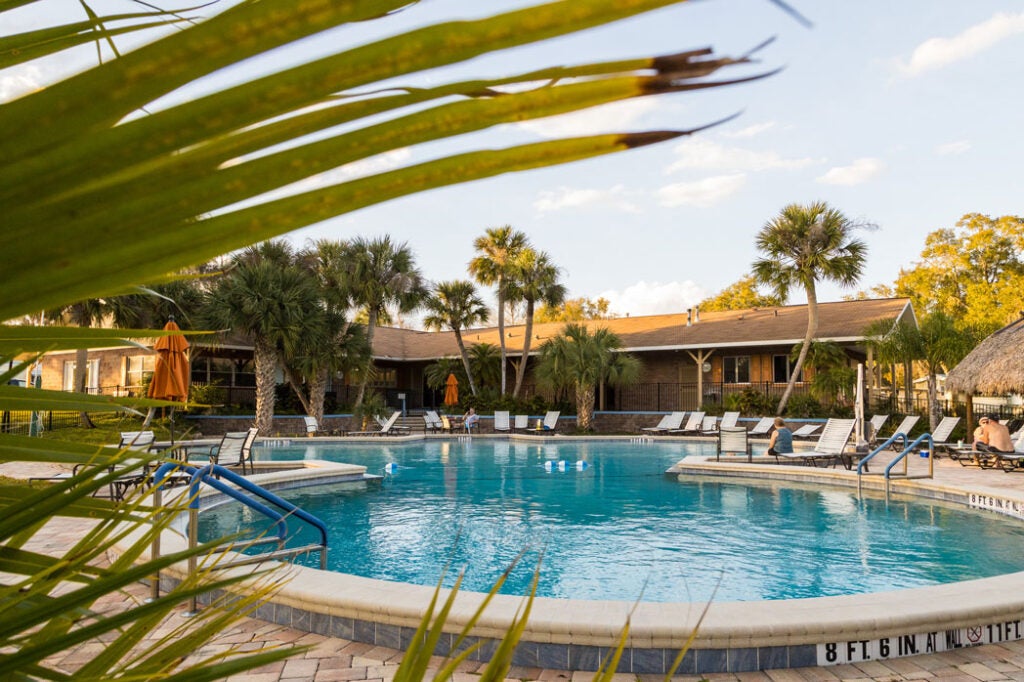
(172, 426)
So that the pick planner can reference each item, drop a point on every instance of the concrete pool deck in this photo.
(1002, 661)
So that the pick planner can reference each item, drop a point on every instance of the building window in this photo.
(782, 367)
(137, 368)
(384, 377)
(736, 369)
(92, 376)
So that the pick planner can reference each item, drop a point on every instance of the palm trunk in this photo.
(300, 393)
(265, 360)
(933, 401)
(371, 326)
(584, 406)
(501, 330)
(812, 329)
(465, 361)
(908, 386)
(81, 370)
(527, 337)
(317, 390)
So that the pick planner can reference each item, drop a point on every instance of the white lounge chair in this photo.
(693, 423)
(501, 420)
(521, 422)
(830, 446)
(384, 430)
(312, 427)
(876, 424)
(729, 420)
(431, 422)
(905, 427)
(670, 421)
(1012, 461)
(709, 424)
(763, 427)
(806, 431)
(550, 420)
(395, 427)
(942, 432)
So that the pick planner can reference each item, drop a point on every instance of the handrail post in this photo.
(154, 553)
(193, 540)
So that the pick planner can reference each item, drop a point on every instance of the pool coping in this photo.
(734, 636)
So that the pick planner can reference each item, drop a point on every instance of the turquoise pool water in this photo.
(618, 528)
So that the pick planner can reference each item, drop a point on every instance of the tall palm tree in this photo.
(456, 305)
(381, 274)
(498, 248)
(276, 304)
(801, 245)
(535, 279)
(581, 360)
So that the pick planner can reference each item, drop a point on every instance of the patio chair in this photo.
(1010, 462)
(551, 420)
(806, 431)
(729, 420)
(312, 427)
(830, 447)
(670, 421)
(131, 440)
(876, 424)
(521, 422)
(763, 427)
(384, 430)
(905, 427)
(501, 421)
(942, 432)
(431, 422)
(395, 427)
(733, 440)
(234, 450)
(709, 424)
(693, 424)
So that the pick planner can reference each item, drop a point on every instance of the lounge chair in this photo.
(830, 446)
(1013, 461)
(446, 424)
(501, 421)
(670, 421)
(312, 427)
(905, 427)
(234, 450)
(431, 422)
(709, 424)
(942, 432)
(395, 427)
(876, 424)
(806, 431)
(763, 427)
(521, 422)
(733, 440)
(693, 424)
(551, 420)
(729, 420)
(384, 430)
(130, 440)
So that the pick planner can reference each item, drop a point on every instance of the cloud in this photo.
(702, 193)
(936, 53)
(20, 82)
(708, 155)
(857, 173)
(654, 298)
(567, 197)
(751, 131)
(609, 118)
(958, 147)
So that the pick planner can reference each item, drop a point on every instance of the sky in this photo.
(903, 115)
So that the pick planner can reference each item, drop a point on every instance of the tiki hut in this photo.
(995, 367)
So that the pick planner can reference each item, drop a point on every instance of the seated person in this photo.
(471, 420)
(781, 441)
(994, 437)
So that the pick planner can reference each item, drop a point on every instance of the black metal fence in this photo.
(669, 396)
(19, 422)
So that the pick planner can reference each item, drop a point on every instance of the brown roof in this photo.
(783, 325)
(995, 367)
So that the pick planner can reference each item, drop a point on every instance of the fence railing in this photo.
(19, 422)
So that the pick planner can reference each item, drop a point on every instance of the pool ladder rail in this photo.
(215, 476)
(912, 447)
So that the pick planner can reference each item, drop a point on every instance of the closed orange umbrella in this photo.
(171, 373)
(451, 391)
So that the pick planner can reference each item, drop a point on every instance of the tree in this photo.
(833, 379)
(582, 360)
(498, 248)
(455, 305)
(741, 295)
(536, 279)
(485, 359)
(574, 310)
(974, 274)
(275, 302)
(381, 273)
(800, 246)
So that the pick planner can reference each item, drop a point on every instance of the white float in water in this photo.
(391, 467)
(581, 465)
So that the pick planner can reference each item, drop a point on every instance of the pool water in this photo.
(617, 527)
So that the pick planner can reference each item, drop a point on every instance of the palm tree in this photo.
(276, 304)
(581, 360)
(455, 305)
(800, 246)
(498, 248)
(535, 278)
(381, 273)
(485, 359)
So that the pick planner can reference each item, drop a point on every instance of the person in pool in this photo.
(781, 441)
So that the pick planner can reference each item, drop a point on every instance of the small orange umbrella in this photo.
(171, 373)
(451, 391)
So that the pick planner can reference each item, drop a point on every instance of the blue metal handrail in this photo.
(910, 448)
(892, 439)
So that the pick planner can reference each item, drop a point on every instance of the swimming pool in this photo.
(617, 527)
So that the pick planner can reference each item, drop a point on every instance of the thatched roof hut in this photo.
(995, 367)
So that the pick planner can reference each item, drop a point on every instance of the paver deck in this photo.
(339, 659)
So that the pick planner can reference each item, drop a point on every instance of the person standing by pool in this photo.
(781, 441)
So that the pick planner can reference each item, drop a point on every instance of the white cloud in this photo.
(936, 53)
(857, 173)
(20, 82)
(751, 131)
(654, 298)
(958, 147)
(702, 193)
(705, 154)
(567, 197)
(615, 117)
